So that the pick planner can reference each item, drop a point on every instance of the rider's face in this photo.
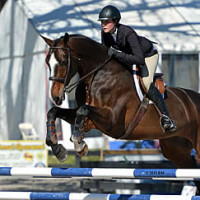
(108, 26)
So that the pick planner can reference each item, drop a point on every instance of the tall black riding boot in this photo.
(166, 122)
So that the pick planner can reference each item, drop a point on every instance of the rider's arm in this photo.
(136, 56)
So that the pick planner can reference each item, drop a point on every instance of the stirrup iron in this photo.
(167, 124)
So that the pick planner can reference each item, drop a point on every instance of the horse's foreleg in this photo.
(102, 119)
(51, 139)
(77, 137)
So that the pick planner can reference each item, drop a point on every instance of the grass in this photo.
(52, 160)
(71, 160)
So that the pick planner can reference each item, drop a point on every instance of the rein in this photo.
(73, 85)
(70, 87)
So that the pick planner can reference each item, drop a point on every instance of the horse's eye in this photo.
(63, 63)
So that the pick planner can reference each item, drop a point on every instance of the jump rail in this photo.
(106, 173)
(88, 196)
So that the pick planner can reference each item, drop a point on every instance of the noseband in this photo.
(65, 80)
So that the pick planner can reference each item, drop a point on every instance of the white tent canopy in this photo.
(174, 24)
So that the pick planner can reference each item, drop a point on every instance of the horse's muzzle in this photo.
(57, 100)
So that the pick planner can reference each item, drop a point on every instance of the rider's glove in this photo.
(112, 51)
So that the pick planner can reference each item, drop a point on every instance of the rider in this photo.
(127, 47)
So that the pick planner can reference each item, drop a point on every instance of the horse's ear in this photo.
(47, 40)
(66, 38)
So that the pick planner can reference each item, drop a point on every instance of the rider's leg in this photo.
(153, 94)
(166, 122)
(151, 65)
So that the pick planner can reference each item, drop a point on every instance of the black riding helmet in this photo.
(109, 12)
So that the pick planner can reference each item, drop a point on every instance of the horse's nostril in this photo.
(56, 99)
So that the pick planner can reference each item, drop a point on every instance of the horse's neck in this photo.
(117, 71)
(126, 74)
(90, 67)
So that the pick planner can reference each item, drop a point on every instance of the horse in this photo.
(107, 100)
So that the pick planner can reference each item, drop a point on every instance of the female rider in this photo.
(127, 47)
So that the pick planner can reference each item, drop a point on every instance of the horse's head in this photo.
(66, 67)
(74, 53)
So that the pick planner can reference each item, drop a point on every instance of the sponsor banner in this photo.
(23, 153)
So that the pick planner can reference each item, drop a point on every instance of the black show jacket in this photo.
(134, 47)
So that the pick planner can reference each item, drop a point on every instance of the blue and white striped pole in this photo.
(185, 174)
(87, 196)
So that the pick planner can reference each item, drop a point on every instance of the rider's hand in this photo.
(112, 51)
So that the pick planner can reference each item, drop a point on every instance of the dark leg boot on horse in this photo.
(166, 122)
(51, 139)
(77, 134)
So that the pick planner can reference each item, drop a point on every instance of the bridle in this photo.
(65, 81)
(59, 79)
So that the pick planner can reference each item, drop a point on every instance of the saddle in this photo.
(158, 82)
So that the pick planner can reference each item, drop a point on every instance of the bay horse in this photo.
(107, 100)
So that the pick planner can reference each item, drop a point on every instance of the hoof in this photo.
(60, 152)
(48, 141)
(83, 152)
(76, 137)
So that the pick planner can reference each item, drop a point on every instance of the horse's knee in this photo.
(52, 113)
(82, 112)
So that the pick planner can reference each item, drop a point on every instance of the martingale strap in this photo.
(138, 117)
